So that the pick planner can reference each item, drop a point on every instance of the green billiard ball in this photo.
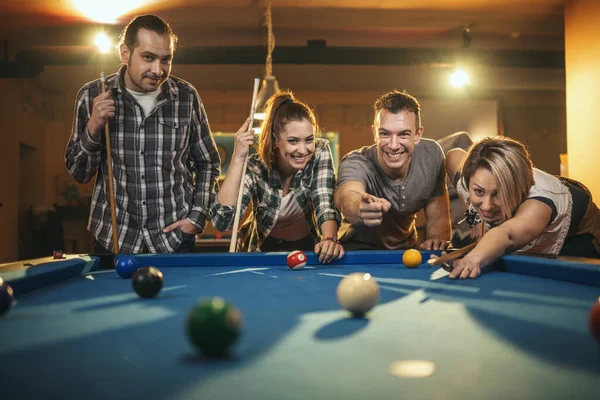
(213, 325)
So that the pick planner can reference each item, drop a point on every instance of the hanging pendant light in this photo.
(269, 85)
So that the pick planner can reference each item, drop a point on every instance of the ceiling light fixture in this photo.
(269, 86)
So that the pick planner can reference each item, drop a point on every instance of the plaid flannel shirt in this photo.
(154, 158)
(313, 189)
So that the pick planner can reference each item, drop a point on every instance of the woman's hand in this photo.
(329, 250)
(244, 138)
(462, 268)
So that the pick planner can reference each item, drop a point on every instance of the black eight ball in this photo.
(147, 282)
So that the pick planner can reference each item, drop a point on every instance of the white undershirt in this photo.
(146, 100)
(291, 223)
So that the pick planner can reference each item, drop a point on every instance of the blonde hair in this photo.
(510, 163)
(281, 109)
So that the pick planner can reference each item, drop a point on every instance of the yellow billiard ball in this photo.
(412, 258)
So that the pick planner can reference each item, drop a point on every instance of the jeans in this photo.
(274, 244)
(186, 246)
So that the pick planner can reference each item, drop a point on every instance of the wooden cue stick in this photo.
(236, 219)
(455, 254)
(111, 187)
(451, 256)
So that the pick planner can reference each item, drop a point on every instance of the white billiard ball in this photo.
(358, 293)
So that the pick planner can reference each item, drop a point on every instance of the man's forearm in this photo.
(83, 155)
(348, 203)
(94, 130)
(437, 216)
(204, 194)
(438, 230)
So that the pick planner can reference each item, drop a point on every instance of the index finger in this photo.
(366, 198)
(102, 96)
(385, 205)
(245, 126)
(171, 227)
(374, 206)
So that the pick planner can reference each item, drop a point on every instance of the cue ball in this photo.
(594, 323)
(358, 293)
(412, 258)
(296, 260)
(213, 325)
(147, 282)
(126, 267)
(6, 297)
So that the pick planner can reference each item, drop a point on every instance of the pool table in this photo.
(519, 331)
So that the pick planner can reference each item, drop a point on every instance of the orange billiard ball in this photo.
(412, 258)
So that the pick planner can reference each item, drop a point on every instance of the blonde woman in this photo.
(290, 181)
(524, 208)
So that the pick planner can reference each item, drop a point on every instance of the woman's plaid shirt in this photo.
(165, 164)
(313, 189)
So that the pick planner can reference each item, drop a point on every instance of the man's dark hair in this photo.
(153, 23)
(396, 101)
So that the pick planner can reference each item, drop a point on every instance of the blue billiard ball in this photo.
(126, 267)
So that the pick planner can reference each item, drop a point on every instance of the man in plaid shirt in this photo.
(165, 161)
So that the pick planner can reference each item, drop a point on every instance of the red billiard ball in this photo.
(296, 260)
(595, 321)
(218, 235)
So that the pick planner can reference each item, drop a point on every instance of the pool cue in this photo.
(236, 219)
(451, 256)
(111, 187)
(455, 254)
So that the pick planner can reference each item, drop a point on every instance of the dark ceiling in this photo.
(507, 33)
